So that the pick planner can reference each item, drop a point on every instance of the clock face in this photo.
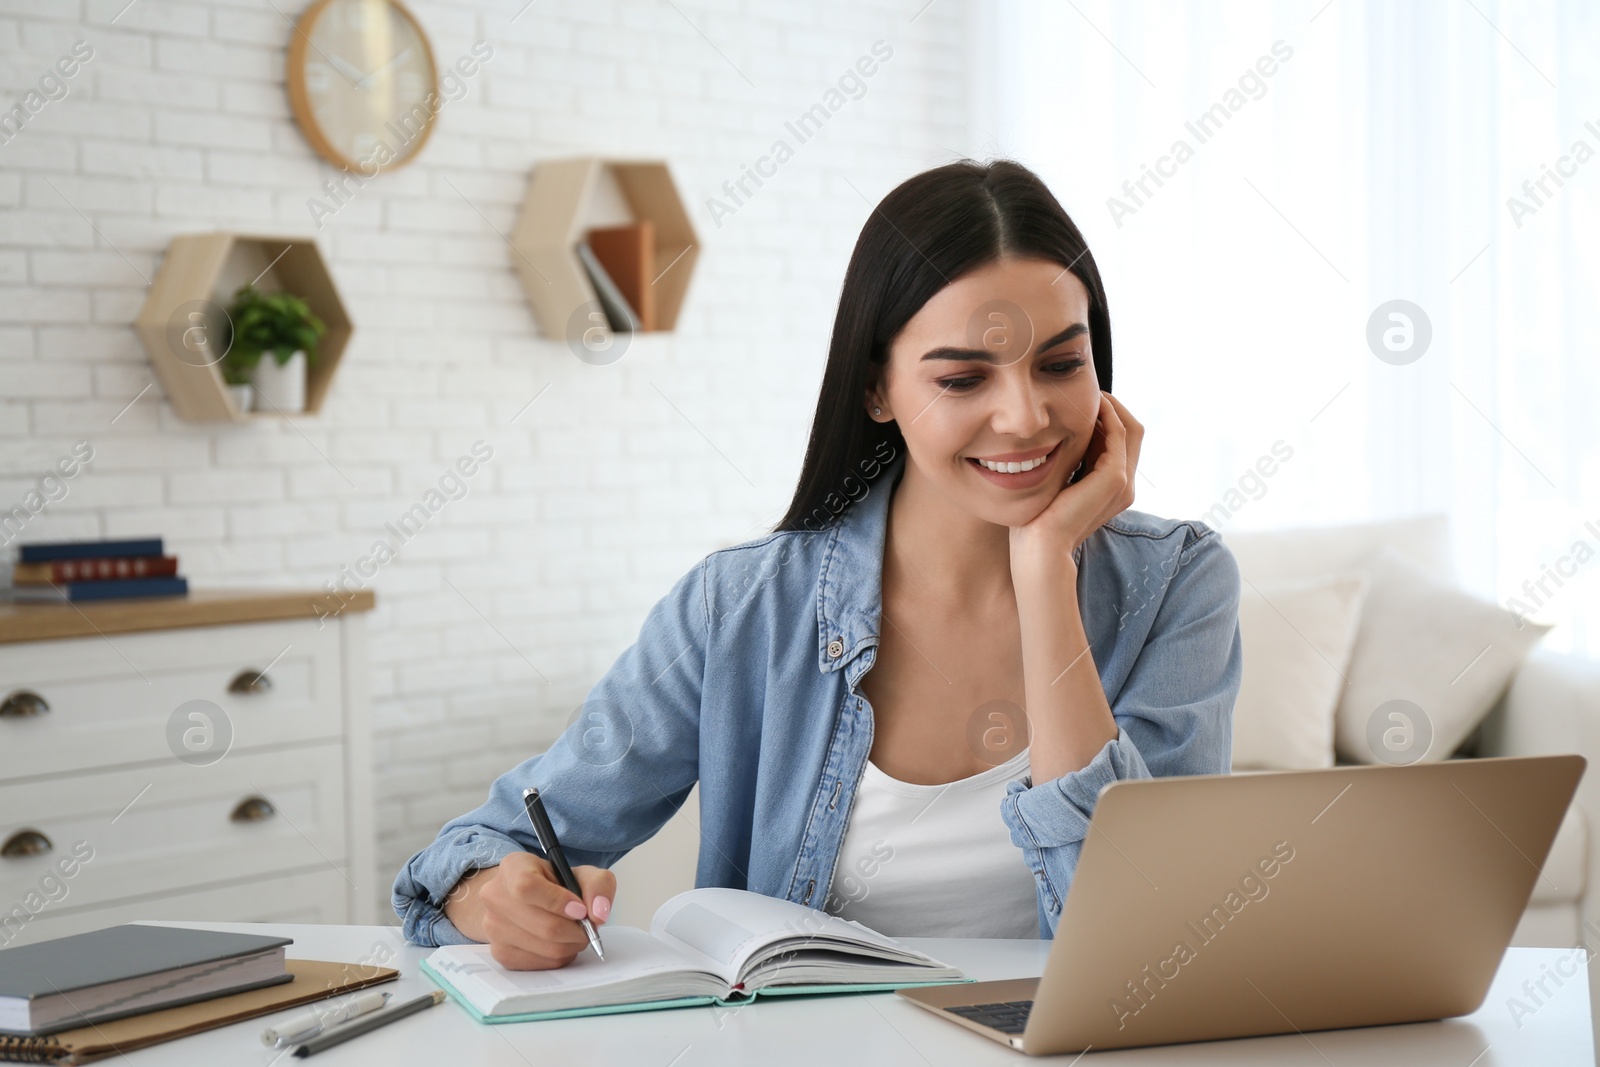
(362, 82)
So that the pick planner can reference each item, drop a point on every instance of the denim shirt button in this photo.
(835, 649)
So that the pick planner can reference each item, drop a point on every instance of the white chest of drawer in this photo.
(216, 767)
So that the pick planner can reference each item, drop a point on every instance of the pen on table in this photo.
(371, 1021)
(552, 849)
(294, 1030)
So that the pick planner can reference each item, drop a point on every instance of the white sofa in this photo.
(1551, 705)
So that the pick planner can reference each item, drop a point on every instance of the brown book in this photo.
(628, 253)
(313, 980)
(94, 570)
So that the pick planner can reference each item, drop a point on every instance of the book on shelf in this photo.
(704, 946)
(46, 552)
(125, 970)
(95, 569)
(619, 313)
(113, 589)
(628, 254)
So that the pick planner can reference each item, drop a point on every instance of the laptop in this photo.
(1225, 906)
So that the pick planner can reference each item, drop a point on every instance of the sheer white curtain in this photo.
(1260, 180)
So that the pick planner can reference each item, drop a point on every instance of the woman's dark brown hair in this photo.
(929, 231)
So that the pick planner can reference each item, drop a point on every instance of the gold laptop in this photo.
(1224, 906)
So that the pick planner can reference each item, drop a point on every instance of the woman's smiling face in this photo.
(996, 366)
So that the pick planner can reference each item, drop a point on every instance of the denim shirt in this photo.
(746, 678)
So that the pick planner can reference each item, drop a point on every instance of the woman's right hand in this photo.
(525, 915)
(1103, 492)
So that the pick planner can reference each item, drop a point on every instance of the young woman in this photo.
(849, 691)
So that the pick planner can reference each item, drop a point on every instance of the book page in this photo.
(732, 926)
(637, 967)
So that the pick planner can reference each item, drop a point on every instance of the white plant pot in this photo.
(242, 395)
(280, 388)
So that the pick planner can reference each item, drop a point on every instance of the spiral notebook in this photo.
(705, 946)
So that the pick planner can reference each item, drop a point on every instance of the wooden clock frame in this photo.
(300, 103)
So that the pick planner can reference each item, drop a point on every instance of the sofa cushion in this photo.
(1301, 551)
(1429, 659)
(1297, 637)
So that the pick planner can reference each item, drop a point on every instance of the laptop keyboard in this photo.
(1007, 1016)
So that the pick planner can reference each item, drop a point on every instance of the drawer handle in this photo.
(250, 681)
(25, 843)
(24, 704)
(253, 809)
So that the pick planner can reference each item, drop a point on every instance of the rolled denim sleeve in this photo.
(610, 781)
(1174, 717)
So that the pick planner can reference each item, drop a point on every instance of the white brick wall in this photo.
(600, 495)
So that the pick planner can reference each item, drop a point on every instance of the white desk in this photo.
(878, 1029)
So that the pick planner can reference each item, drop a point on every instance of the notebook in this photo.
(123, 970)
(705, 946)
(312, 980)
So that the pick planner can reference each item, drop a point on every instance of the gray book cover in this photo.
(119, 954)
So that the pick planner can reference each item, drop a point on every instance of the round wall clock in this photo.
(362, 83)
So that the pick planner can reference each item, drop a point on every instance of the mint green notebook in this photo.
(706, 946)
(658, 1005)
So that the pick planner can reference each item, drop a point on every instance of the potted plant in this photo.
(237, 377)
(280, 325)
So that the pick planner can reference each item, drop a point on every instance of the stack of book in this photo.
(81, 998)
(125, 970)
(95, 570)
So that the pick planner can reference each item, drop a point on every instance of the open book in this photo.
(705, 946)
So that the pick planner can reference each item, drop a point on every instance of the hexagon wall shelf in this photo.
(567, 197)
(196, 283)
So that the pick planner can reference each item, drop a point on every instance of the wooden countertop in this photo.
(205, 607)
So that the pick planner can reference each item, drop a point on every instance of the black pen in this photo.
(552, 850)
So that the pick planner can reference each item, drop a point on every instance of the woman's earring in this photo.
(877, 411)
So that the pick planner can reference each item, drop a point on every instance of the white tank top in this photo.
(935, 860)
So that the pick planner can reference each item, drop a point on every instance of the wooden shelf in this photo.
(187, 307)
(566, 198)
(206, 607)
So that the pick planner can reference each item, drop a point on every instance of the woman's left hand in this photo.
(1104, 492)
